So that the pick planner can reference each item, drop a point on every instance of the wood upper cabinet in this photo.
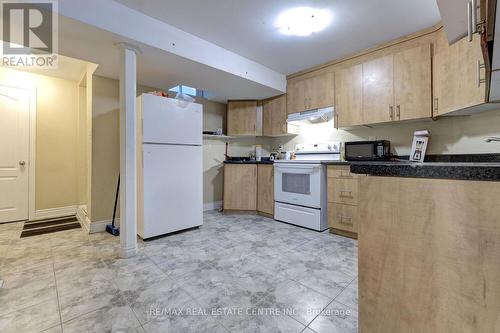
(295, 95)
(413, 83)
(310, 92)
(320, 90)
(378, 90)
(397, 87)
(265, 189)
(242, 118)
(459, 76)
(240, 186)
(349, 96)
(274, 116)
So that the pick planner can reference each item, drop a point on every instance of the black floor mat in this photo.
(34, 228)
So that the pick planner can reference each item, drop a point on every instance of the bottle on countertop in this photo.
(258, 153)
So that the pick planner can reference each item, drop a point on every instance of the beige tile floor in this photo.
(237, 273)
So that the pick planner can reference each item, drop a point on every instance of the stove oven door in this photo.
(298, 184)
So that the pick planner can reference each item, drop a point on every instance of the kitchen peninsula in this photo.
(429, 247)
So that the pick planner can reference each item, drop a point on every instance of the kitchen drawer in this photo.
(343, 191)
(343, 217)
(343, 172)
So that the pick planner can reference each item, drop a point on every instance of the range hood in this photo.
(312, 116)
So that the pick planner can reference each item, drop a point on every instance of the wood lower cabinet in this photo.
(274, 116)
(240, 187)
(265, 189)
(343, 217)
(249, 187)
(242, 118)
(343, 197)
(429, 254)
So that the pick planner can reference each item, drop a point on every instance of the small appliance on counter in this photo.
(379, 150)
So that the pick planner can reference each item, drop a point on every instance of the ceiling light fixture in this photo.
(303, 21)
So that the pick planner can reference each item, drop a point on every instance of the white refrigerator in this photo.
(170, 180)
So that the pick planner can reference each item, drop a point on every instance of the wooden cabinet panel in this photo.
(310, 92)
(428, 250)
(242, 118)
(413, 83)
(240, 186)
(320, 90)
(378, 90)
(275, 116)
(349, 96)
(343, 191)
(343, 217)
(265, 189)
(341, 171)
(295, 95)
(458, 74)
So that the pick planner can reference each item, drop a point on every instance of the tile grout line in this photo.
(57, 292)
(333, 299)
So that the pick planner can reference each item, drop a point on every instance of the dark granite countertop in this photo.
(336, 163)
(479, 167)
(246, 160)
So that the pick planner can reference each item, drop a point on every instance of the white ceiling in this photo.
(155, 68)
(247, 27)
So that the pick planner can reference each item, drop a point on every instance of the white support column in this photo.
(128, 151)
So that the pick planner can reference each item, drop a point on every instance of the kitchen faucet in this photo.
(491, 139)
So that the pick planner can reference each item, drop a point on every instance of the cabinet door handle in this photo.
(345, 175)
(436, 108)
(348, 220)
(479, 67)
(391, 112)
(398, 111)
(349, 195)
(474, 6)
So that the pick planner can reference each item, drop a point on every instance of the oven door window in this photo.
(299, 183)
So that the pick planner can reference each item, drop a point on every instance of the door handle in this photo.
(470, 28)
(479, 67)
(22, 163)
(398, 111)
(391, 112)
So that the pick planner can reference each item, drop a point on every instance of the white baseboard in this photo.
(83, 218)
(212, 205)
(100, 226)
(51, 213)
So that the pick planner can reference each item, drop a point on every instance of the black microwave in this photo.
(379, 150)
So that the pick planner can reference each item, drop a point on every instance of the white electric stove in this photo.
(300, 185)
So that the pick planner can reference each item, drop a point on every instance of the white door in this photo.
(14, 153)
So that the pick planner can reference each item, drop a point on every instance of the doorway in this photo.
(16, 164)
